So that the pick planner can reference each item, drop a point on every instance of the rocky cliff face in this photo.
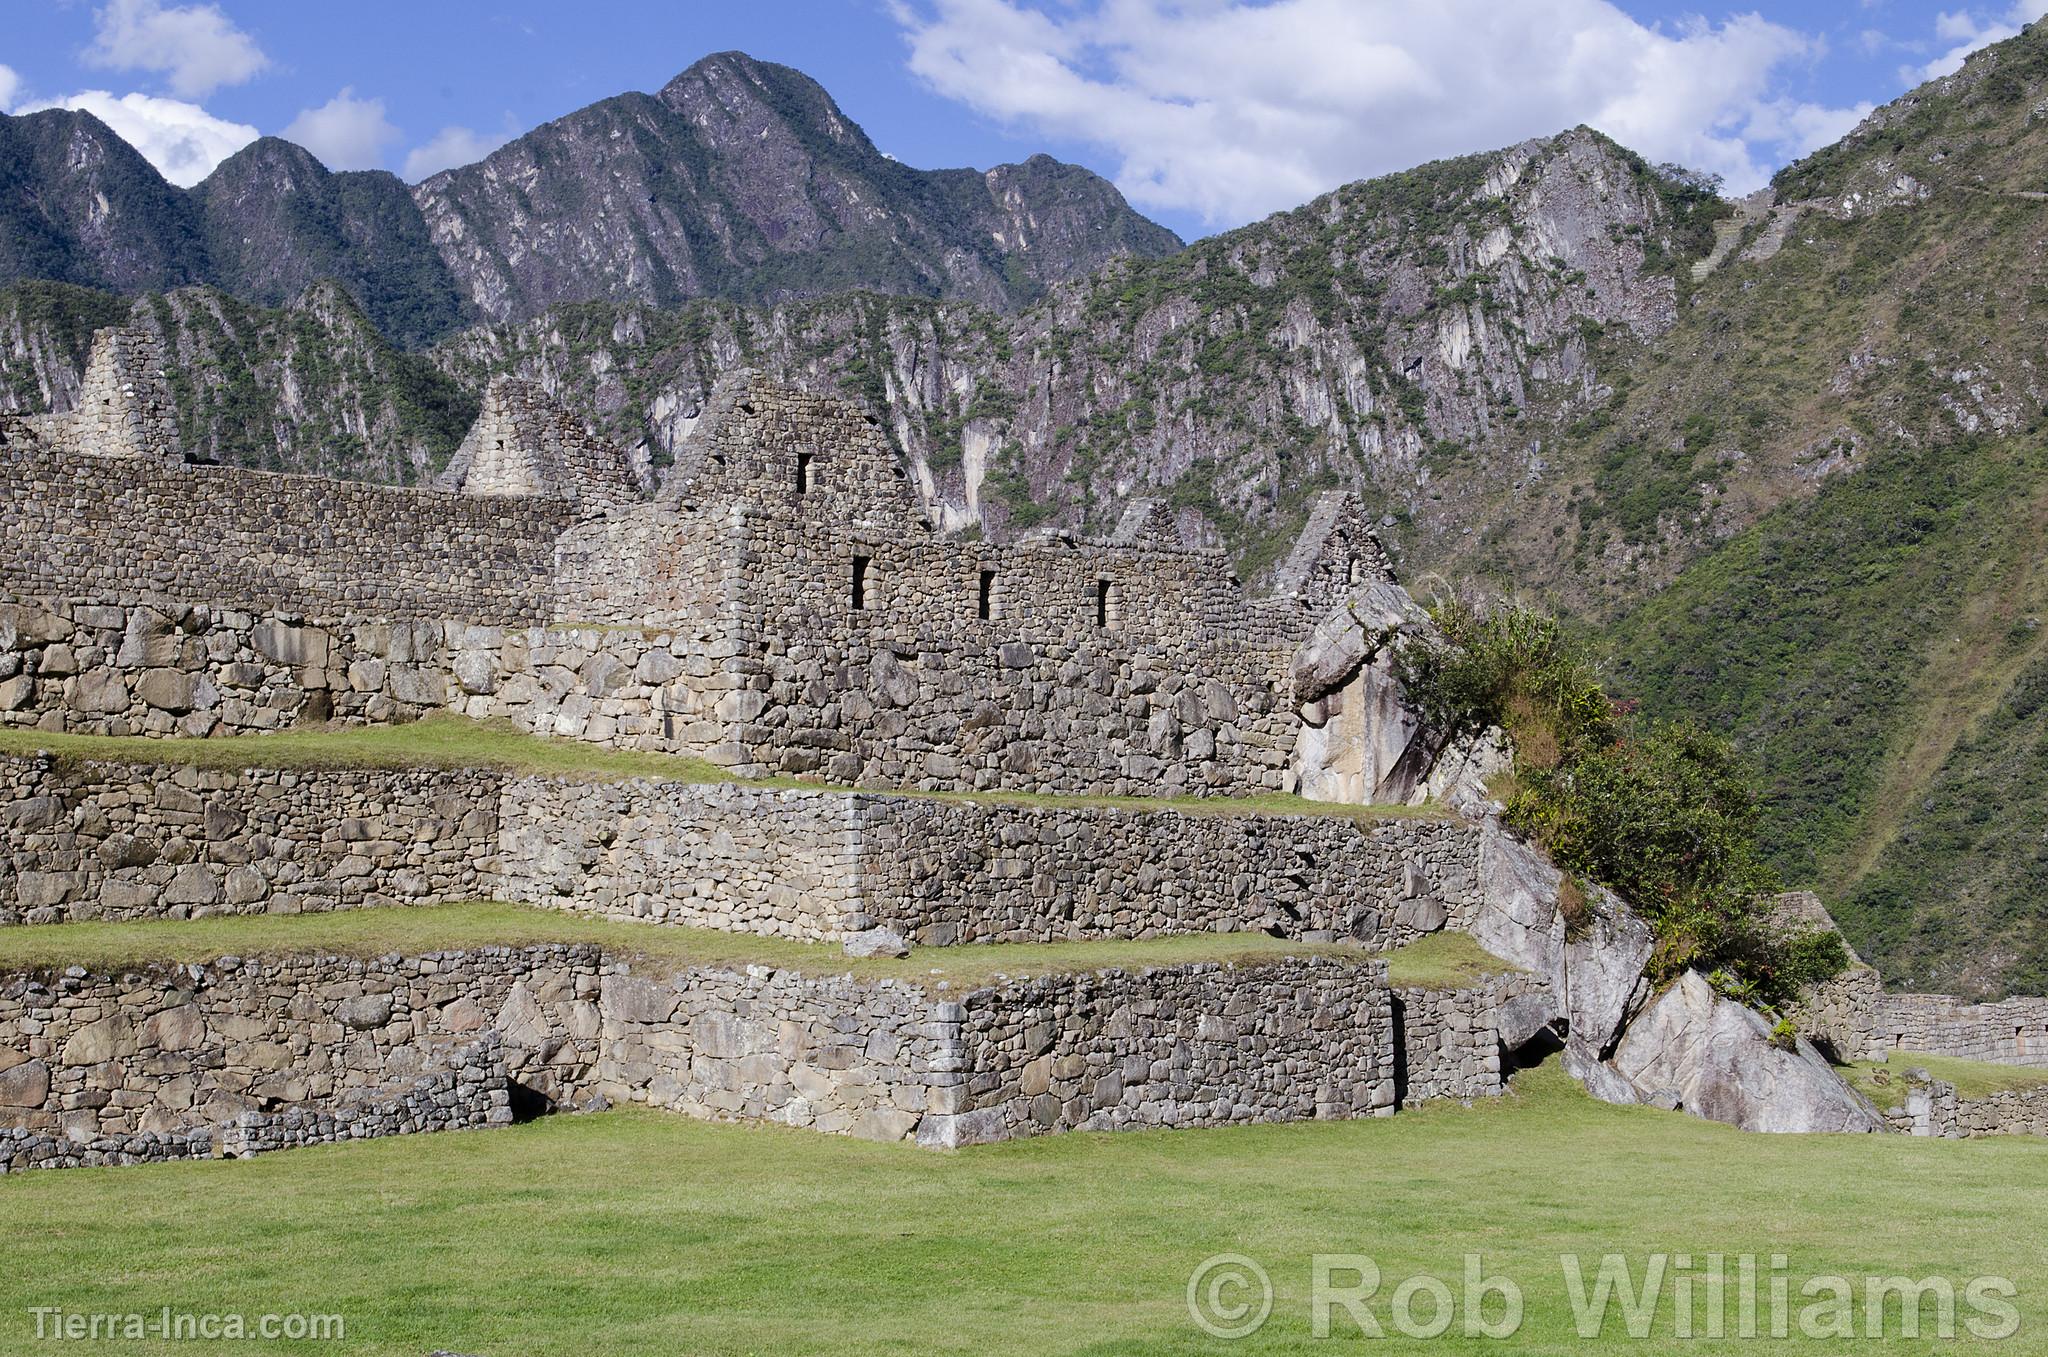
(1387, 338)
(743, 179)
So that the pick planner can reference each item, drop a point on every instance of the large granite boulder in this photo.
(1718, 1058)
(1595, 966)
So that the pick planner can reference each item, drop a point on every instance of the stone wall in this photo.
(750, 860)
(1841, 1016)
(469, 1093)
(172, 670)
(1201, 1045)
(940, 871)
(131, 529)
(2008, 1032)
(1450, 1040)
(1933, 1107)
(170, 1050)
(945, 870)
(170, 1061)
(140, 841)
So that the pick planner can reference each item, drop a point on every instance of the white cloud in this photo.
(1963, 32)
(197, 47)
(346, 133)
(1231, 109)
(10, 86)
(182, 140)
(449, 147)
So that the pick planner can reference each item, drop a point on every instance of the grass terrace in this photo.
(1884, 1081)
(636, 1232)
(448, 741)
(1440, 961)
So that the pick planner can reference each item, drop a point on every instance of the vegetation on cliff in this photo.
(1659, 811)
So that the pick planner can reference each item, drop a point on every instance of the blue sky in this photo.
(1207, 113)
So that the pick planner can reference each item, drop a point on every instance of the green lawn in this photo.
(1884, 1081)
(638, 1232)
(446, 741)
(440, 928)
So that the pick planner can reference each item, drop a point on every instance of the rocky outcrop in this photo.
(1595, 963)
(1717, 1059)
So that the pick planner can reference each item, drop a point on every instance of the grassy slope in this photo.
(455, 742)
(1882, 1081)
(1851, 641)
(412, 930)
(1871, 638)
(634, 1232)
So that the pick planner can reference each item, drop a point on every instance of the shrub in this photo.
(1658, 811)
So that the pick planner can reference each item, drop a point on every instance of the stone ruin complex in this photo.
(777, 604)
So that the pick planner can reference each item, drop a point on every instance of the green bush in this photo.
(1660, 812)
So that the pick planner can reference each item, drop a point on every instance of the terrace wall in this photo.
(2008, 1032)
(166, 1061)
(1450, 1039)
(940, 871)
(90, 840)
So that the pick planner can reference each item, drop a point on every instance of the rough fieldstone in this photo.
(876, 942)
(25, 1085)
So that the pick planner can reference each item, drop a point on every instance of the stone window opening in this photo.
(803, 473)
(1108, 607)
(860, 583)
(985, 607)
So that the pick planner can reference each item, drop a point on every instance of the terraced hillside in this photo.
(1782, 454)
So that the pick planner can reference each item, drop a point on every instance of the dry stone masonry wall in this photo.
(140, 840)
(944, 871)
(241, 1055)
(940, 871)
(135, 529)
(1201, 1045)
(1450, 1038)
(122, 841)
(141, 669)
(1933, 1107)
(2008, 1032)
(744, 859)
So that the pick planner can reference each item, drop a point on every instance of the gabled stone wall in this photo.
(124, 404)
(524, 445)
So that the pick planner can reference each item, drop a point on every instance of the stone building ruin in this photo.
(779, 604)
